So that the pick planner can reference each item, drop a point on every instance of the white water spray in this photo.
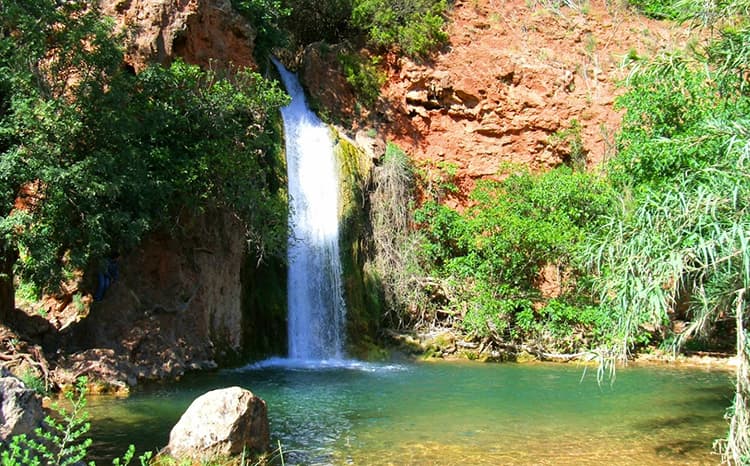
(315, 302)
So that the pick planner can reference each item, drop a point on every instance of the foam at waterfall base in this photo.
(317, 365)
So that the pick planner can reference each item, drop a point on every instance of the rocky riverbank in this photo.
(446, 344)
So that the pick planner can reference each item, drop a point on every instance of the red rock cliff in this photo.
(515, 73)
(199, 31)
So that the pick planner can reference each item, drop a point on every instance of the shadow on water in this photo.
(678, 448)
(672, 422)
(113, 436)
(720, 400)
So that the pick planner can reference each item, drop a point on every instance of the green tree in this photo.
(51, 55)
(681, 233)
(494, 251)
(98, 157)
(415, 27)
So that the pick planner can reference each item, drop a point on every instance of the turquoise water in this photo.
(451, 413)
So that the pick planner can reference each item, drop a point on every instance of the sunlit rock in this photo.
(20, 407)
(220, 423)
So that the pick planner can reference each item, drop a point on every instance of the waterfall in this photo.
(315, 302)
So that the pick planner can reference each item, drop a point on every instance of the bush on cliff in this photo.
(415, 27)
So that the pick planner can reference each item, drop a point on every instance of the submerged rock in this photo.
(220, 423)
(20, 407)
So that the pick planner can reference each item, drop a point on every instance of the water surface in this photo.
(451, 413)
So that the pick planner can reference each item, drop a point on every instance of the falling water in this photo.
(316, 305)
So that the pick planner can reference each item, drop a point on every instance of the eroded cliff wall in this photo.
(202, 32)
(174, 306)
(518, 81)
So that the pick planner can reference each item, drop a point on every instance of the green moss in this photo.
(431, 353)
(264, 308)
(440, 345)
(526, 357)
(407, 344)
(362, 290)
(469, 354)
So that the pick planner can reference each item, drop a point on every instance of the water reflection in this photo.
(453, 414)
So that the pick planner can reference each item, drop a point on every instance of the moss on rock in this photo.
(362, 290)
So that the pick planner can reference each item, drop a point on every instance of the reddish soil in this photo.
(515, 73)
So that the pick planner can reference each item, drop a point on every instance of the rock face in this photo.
(515, 74)
(517, 77)
(20, 407)
(322, 75)
(176, 307)
(221, 422)
(200, 31)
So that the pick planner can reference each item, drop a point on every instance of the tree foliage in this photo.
(680, 235)
(320, 20)
(267, 17)
(96, 157)
(415, 27)
(495, 250)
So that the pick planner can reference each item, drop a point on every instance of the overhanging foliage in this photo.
(94, 157)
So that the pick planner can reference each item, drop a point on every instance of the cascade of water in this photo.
(315, 301)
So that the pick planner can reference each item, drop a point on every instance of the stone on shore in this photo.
(221, 423)
(20, 407)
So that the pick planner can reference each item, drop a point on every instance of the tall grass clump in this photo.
(392, 202)
(678, 241)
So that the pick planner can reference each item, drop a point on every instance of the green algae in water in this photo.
(452, 413)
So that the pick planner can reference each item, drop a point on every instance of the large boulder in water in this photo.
(219, 423)
(20, 407)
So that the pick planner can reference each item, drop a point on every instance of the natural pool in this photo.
(451, 413)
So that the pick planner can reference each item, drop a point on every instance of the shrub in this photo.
(491, 254)
(657, 9)
(363, 75)
(415, 27)
(33, 381)
(570, 142)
